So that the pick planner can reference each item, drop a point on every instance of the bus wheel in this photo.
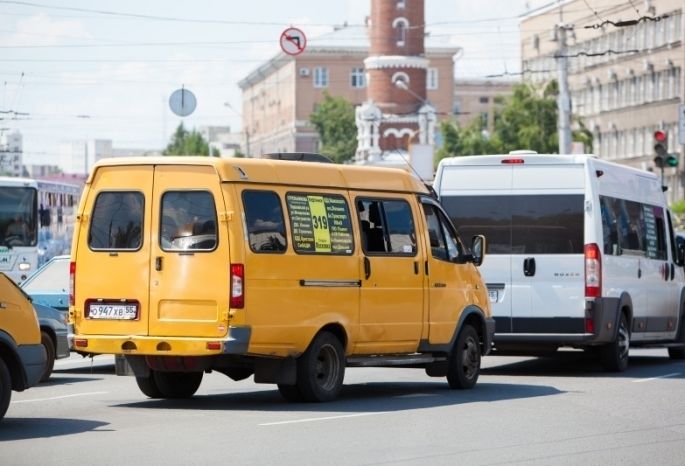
(5, 388)
(49, 345)
(177, 384)
(614, 355)
(321, 369)
(679, 352)
(464, 363)
(148, 386)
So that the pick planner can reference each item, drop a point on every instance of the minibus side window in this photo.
(188, 221)
(320, 224)
(264, 221)
(386, 226)
(117, 221)
(435, 233)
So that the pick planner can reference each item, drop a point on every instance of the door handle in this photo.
(367, 268)
(416, 268)
(158, 263)
(529, 266)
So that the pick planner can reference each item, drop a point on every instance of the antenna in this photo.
(430, 189)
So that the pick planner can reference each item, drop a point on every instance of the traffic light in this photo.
(663, 158)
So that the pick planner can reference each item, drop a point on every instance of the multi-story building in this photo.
(624, 62)
(11, 153)
(280, 95)
(479, 99)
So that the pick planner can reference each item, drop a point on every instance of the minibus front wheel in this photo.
(464, 362)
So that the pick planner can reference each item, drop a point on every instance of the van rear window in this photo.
(117, 220)
(526, 224)
(188, 221)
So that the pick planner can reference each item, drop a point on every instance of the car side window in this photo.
(117, 221)
(188, 221)
(387, 226)
(264, 221)
(436, 233)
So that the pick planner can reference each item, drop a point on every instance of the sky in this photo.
(92, 69)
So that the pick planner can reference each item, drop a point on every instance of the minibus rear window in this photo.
(117, 221)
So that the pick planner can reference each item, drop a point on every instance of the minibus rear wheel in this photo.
(5, 388)
(679, 352)
(177, 384)
(464, 362)
(148, 386)
(321, 369)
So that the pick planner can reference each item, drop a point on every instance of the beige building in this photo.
(625, 82)
(478, 99)
(280, 95)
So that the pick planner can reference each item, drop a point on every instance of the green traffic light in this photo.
(672, 161)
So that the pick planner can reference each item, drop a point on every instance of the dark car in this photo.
(48, 289)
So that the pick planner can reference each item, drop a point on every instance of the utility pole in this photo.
(563, 101)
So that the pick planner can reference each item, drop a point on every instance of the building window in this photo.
(432, 79)
(357, 78)
(400, 4)
(484, 100)
(400, 26)
(320, 76)
(484, 120)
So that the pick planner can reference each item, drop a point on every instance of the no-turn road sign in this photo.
(293, 41)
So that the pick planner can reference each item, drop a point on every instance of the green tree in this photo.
(526, 120)
(334, 121)
(185, 142)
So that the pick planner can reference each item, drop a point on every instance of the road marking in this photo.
(328, 418)
(656, 378)
(59, 397)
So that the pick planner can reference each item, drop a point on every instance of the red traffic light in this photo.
(660, 136)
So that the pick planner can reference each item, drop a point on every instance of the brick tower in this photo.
(396, 112)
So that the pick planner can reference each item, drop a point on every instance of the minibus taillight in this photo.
(237, 286)
(593, 271)
(72, 283)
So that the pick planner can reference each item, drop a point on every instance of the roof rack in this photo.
(298, 156)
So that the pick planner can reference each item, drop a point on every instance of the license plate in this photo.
(493, 295)
(113, 311)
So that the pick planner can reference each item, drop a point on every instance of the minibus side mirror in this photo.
(478, 249)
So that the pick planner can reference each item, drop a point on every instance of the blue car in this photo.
(48, 288)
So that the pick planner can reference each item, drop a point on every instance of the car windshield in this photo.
(54, 276)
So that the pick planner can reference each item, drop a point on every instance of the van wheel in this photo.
(679, 352)
(464, 362)
(321, 369)
(290, 393)
(5, 388)
(148, 386)
(177, 384)
(50, 351)
(614, 355)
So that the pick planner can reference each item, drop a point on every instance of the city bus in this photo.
(36, 223)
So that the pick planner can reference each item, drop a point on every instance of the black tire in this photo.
(177, 384)
(5, 388)
(50, 351)
(290, 393)
(464, 362)
(614, 355)
(148, 386)
(679, 352)
(321, 369)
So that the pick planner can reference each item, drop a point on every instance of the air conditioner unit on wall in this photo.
(304, 72)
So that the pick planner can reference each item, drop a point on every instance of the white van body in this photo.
(574, 242)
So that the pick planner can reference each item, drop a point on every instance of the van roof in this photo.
(248, 170)
(527, 157)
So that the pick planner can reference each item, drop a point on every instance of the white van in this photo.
(581, 252)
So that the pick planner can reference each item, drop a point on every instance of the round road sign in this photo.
(293, 41)
(182, 102)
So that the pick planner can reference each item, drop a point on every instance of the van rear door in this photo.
(113, 252)
(189, 262)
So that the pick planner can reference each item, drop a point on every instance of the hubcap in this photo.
(327, 367)
(469, 359)
(623, 341)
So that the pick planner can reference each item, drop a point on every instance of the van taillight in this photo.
(513, 161)
(237, 286)
(72, 283)
(593, 271)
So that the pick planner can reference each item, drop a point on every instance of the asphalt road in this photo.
(562, 410)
